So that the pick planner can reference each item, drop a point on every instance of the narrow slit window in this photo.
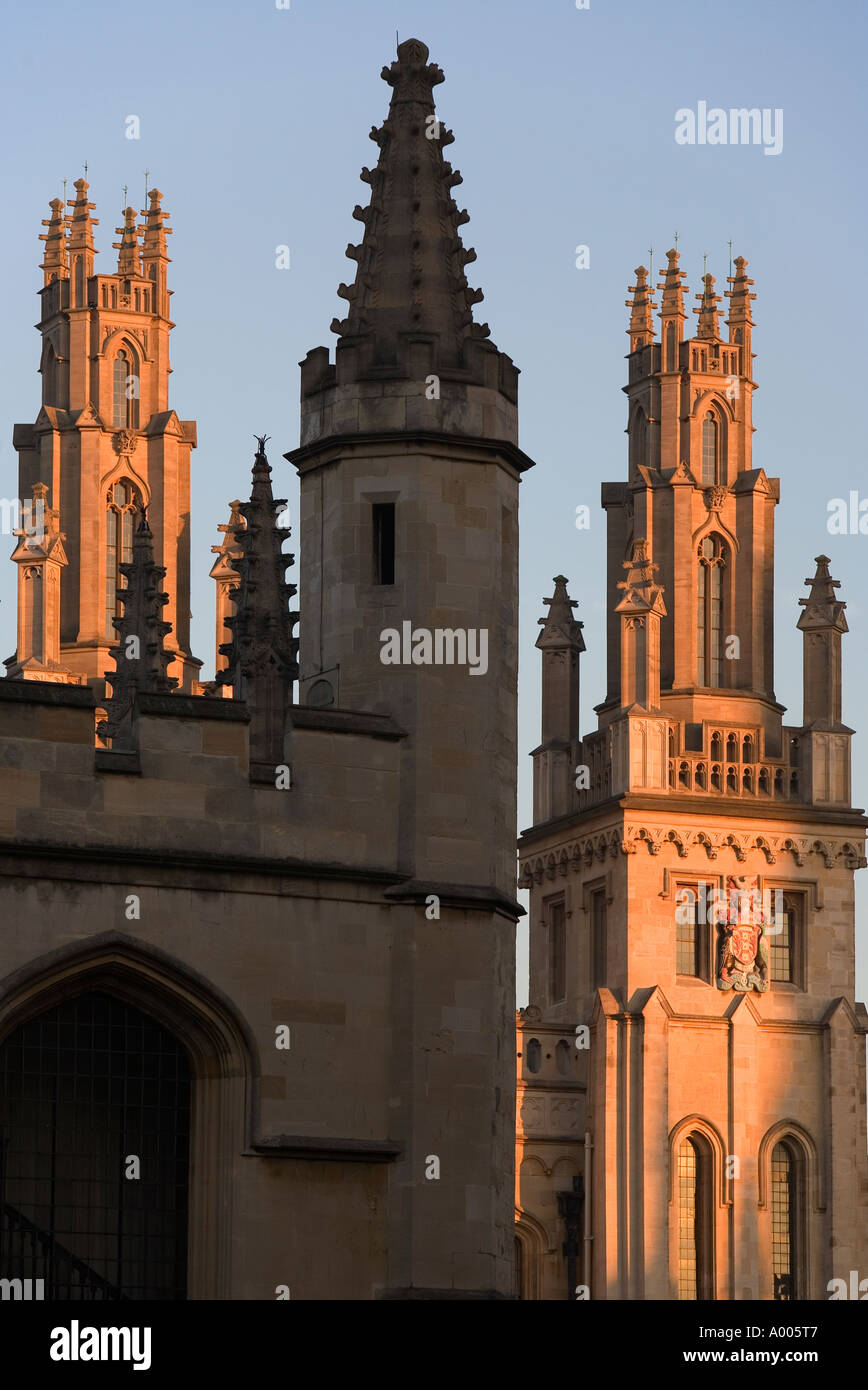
(557, 953)
(598, 938)
(384, 542)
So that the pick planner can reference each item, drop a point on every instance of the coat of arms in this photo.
(743, 958)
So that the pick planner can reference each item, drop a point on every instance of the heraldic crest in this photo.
(743, 957)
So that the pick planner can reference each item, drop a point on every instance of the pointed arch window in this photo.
(125, 391)
(82, 1085)
(122, 502)
(695, 1215)
(709, 611)
(785, 942)
(787, 1210)
(710, 450)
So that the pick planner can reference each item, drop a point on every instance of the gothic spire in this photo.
(156, 230)
(740, 319)
(640, 306)
(140, 656)
(739, 309)
(708, 311)
(82, 224)
(262, 657)
(228, 549)
(672, 304)
(55, 262)
(129, 254)
(410, 262)
(822, 625)
(559, 627)
(822, 606)
(154, 257)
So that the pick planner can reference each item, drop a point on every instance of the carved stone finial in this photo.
(262, 657)
(140, 657)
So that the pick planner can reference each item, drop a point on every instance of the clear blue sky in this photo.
(254, 125)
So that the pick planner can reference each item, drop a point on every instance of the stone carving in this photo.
(583, 852)
(533, 1112)
(743, 958)
(564, 1114)
(125, 441)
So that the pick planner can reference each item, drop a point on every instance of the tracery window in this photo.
(709, 611)
(695, 1211)
(125, 392)
(710, 450)
(120, 514)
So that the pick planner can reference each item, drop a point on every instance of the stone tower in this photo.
(312, 899)
(409, 459)
(692, 1064)
(410, 470)
(105, 442)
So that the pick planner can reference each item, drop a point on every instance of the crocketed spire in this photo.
(739, 309)
(672, 303)
(129, 254)
(410, 276)
(55, 262)
(140, 657)
(82, 224)
(708, 310)
(262, 658)
(228, 549)
(640, 306)
(156, 230)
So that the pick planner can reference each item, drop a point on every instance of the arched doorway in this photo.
(95, 1104)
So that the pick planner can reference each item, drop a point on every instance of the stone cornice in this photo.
(581, 852)
(130, 863)
(709, 808)
(307, 456)
(323, 1148)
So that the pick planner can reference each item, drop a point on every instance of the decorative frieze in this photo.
(581, 853)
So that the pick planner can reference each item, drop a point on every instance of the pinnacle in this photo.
(129, 257)
(641, 305)
(739, 310)
(155, 229)
(673, 294)
(261, 625)
(559, 621)
(822, 604)
(140, 656)
(55, 262)
(640, 587)
(410, 262)
(81, 224)
(708, 311)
